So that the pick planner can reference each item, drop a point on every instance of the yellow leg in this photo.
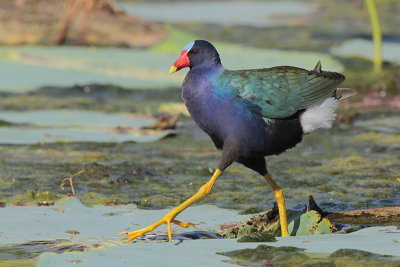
(170, 216)
(281, 204)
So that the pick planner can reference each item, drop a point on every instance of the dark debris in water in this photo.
(181, 236)
(73, 232)
(163, 123)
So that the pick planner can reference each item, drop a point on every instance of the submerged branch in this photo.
(385, 216)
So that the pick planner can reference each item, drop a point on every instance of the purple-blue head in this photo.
(196, 53)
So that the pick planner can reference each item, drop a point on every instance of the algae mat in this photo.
(348, 167)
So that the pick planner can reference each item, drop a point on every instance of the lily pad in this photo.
(310, 223)
(365, 48)
(131, 68)
(76, 126)
(249, 13)
(76, 118)
(41, 66)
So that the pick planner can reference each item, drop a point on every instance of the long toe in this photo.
(168, 218)
(134, 234)
(183, 224)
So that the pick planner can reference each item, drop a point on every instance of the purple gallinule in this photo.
(250, 114)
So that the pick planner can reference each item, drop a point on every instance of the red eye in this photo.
(195, 52)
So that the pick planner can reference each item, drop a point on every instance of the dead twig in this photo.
(70, 181)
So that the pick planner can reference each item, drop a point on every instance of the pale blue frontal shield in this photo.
(188, 46)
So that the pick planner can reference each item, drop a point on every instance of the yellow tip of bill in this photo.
(172, 69)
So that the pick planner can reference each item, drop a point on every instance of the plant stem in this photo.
(376, 34)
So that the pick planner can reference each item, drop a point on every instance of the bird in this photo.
(251, 114)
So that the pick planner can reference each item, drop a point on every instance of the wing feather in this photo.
(281, 91)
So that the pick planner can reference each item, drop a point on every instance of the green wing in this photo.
(281, 91)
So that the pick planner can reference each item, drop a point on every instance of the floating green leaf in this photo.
(76, 126)
(131, 68)
(310, 223)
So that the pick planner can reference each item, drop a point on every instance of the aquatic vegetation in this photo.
(292, 256)
(378, 138)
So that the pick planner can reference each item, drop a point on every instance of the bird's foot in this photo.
(168, 219)
(170, 216)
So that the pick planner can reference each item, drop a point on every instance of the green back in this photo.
(281, 91)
